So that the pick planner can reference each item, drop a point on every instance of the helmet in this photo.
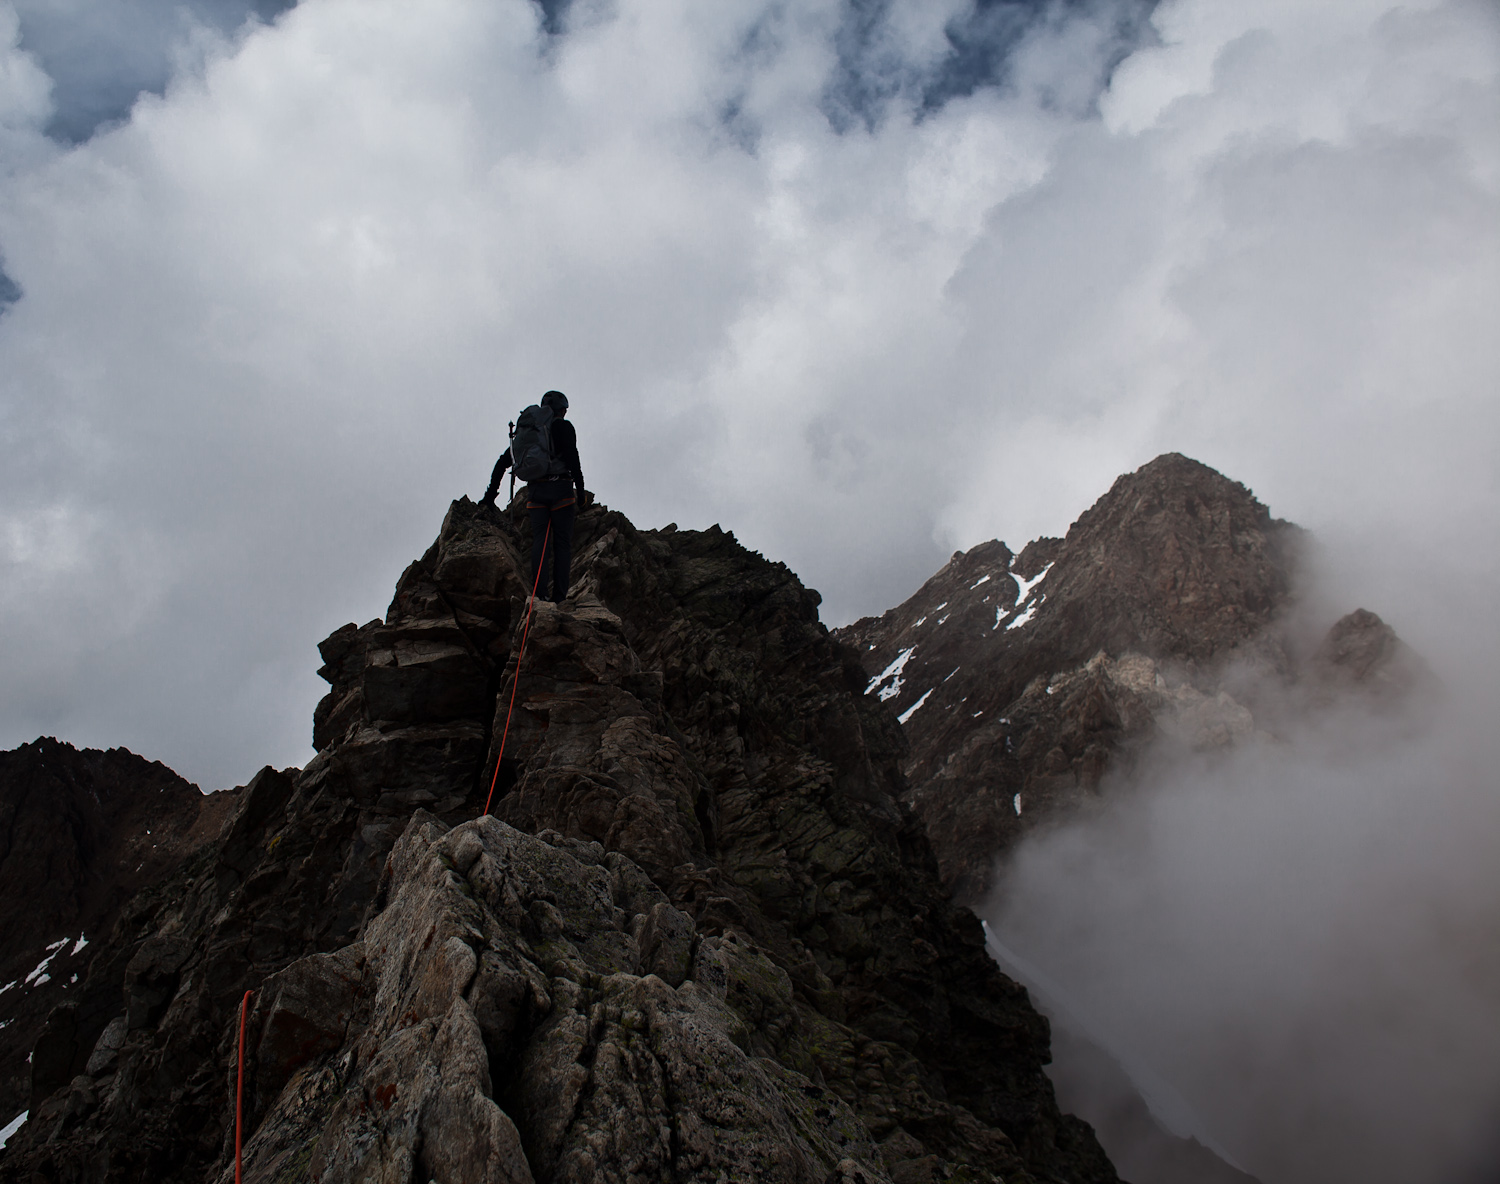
(555, 400)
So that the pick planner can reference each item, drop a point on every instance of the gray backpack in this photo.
(531, 455)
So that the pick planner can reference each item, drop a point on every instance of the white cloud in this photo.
(278, 318)
(25, 97)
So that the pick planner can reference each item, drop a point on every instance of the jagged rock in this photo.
(302, 1013)
(1363, 654)
(701, 937)
(666, 943)
(615, 1068)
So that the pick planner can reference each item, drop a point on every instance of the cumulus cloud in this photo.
(277, 317)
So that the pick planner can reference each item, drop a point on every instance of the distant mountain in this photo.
(81, 833)
(1026, 685)
(1020, 680)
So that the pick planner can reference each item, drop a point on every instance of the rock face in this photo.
(1021, 679)
(80, 833)
(701, 938)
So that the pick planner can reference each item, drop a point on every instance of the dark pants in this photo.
(551, 504)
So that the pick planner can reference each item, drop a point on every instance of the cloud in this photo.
(276, 318)
(1297, 937)
(101, 57)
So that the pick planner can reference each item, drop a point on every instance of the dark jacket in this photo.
(564, 447)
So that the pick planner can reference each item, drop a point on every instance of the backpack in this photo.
(531, 453)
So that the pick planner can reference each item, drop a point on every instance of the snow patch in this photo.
(41, 970)
(956, 669)
(912, 710)
(892, 672)
(1026, 585)
(8, 986)
(13, 1125)
(999, 616)
(57, 945)
(980, 580)
(919, 621)
(1017, 804)
(80, 943)
(1022, 619)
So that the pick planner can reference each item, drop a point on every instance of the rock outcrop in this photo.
(1020, 680)
(700, 938)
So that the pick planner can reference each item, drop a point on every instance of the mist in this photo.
(1299, 938)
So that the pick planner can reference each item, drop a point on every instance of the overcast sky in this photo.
(864, 282)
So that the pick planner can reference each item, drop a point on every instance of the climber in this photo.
(544, 450)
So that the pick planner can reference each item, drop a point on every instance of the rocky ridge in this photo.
(700, 939)
(1162, 616)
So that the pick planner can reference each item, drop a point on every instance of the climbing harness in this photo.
(521, 653)
(239, 1089)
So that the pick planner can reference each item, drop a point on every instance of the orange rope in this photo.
(239, 1092)
(516, 680)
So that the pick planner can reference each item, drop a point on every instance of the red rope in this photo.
(516, 679)
(239, 1091)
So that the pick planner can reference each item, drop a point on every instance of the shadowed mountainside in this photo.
(81, 832)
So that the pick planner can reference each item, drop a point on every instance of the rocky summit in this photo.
(699, 936)
(1164, 616)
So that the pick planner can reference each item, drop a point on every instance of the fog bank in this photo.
(1302, 937)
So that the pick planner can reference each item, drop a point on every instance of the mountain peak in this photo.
(1019, 678)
